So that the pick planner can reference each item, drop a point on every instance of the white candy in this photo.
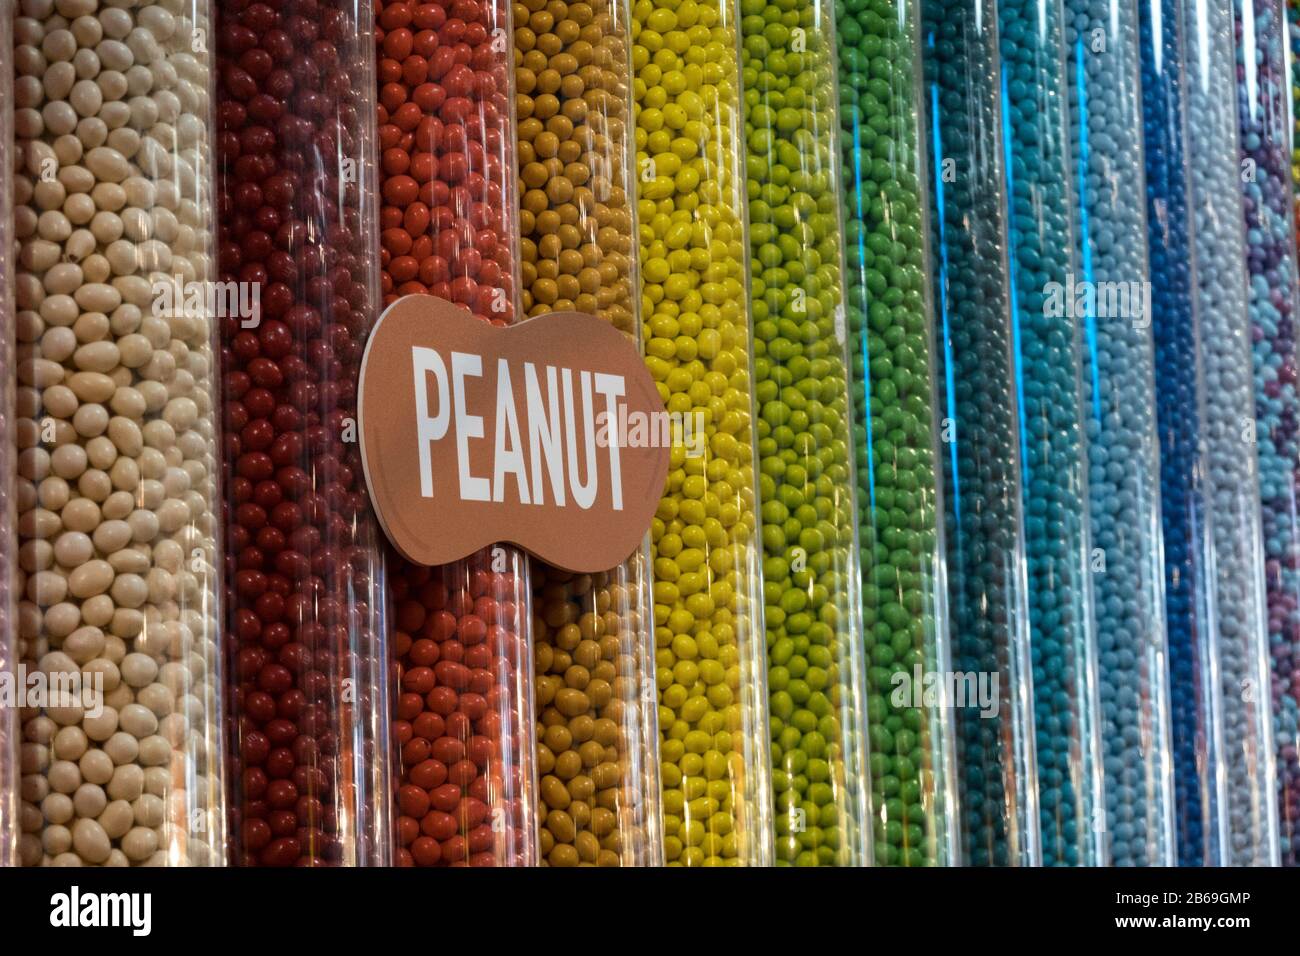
(116, 430)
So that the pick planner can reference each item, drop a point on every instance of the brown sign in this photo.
(549, 434)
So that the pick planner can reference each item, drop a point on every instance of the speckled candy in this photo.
(1262, 88)
(980, 454)
(1054, 482)
(810, 567)
(708, 636)
(891, 348)
(1123, 479)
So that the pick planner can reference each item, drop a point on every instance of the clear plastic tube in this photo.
(1188, 610)
(892, 350)
(1053, 453)
(305, 582)
(448, 221)
(116, 433)
(1209, 490)
(710, 665)
(464, 711)
(1284, 640)
(1264, 121)
(980, 451)
(1246, 804)
(1112, 293)
(597, 737)
(808, 520)
(8, 716)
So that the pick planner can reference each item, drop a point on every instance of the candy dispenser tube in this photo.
(597, 737)
(1114, 292)
(892, 350)
(1053, 487)
(1244, 802)
(1214, 580)
(1189, 613)
(811, 573)
(710, 676)
(9, 803)
(464, 714)
(987, 583)
(305, 583)
(464, 769)
(116, 436)
(1264, 130)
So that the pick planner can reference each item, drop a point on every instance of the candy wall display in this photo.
(598, 790)
(891, 349)
(1112, 294)
(979, 452)
(708, 611)
(1053, 486)
(8, 716)
(1264, 129)
(305, 584)
(1214, 566)
(448, 222)
(810, 567)
(117, 437)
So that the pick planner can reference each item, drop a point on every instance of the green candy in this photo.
(801, 384)
(888, 320)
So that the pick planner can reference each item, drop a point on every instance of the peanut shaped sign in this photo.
(549, 434)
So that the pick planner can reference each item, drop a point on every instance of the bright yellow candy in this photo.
(696, 333)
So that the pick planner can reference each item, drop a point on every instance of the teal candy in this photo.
(1054, 485)
(980, 455)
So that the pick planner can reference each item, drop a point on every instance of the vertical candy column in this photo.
(459, 632)
(709, 658)
(597, 793)
(1112, 294)
(1188, 611)
(116, 436)
(1284, 633)
(1264, 130)
(304, 571)
(1053, 484)
(465, 786)
(891, 347)
(980, 453)
(810, 567)
(8, 716)
(1220, 715)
